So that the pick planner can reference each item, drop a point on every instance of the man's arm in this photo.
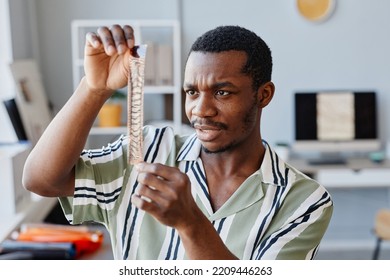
(49, 169)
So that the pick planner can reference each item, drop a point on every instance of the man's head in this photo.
(227, 81)
(226, 38)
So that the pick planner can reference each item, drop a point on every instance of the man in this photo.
(221, 193)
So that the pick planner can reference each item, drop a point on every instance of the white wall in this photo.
(6, 90)
(349, 51)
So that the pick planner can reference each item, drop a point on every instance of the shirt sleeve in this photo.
(99, 179)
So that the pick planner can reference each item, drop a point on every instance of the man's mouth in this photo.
(208, 132)
(205, 127)
(207, 135)
(208, 125)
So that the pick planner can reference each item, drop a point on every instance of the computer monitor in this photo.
(333, 124)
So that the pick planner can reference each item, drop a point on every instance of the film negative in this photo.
(135, 103)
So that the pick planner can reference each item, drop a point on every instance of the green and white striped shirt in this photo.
(277, 213)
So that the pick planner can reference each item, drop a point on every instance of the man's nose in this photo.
(204, 106)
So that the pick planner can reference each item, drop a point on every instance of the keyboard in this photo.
(327, 161)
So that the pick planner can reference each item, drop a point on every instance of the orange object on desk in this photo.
(84, 239)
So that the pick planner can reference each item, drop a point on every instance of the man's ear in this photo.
(265, 93)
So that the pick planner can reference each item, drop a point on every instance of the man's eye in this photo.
(190, 92)
(222, 93)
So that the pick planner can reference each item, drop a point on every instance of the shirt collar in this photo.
(190, 150)
(272, 170)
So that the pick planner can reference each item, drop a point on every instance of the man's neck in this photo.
(226, 171)
(235, 161)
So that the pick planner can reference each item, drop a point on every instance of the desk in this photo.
(357, 172)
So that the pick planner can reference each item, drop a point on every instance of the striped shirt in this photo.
(276, 213)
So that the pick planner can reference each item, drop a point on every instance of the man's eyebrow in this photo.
(223, 84)
(214, 86)
(188, 85)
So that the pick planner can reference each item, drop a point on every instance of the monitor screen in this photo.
(336, 122)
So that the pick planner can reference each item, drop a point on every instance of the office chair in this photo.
(381, 230)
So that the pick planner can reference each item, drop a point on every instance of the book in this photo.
(38, 250)
(14, 115)
(164, 65)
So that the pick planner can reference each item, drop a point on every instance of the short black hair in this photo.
(228, 38)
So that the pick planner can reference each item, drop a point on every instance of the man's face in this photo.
(220, 101)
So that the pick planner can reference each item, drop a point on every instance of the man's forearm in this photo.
(202, 242)
(49, 167)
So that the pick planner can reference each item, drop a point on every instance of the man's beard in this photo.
(220, 150)
(248, 121)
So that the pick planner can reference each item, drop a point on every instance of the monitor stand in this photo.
(328, 159)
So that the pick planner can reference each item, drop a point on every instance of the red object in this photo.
(85, 240)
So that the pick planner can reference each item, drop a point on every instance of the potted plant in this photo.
(110, 114)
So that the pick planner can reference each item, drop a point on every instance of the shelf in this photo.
(159, 89)
(108, 130)
(18, 205)
(34, 212)
(163, 60)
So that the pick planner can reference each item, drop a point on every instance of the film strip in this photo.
(135, 110)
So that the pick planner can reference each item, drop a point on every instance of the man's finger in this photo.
(162, 171)
(93, 39)
(129, 35)
(107, 40)
(118, 36)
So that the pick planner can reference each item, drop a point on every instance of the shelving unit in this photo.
(162, 68)
(18, 206)
(34, 212)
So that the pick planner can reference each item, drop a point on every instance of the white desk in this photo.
(356, 173)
